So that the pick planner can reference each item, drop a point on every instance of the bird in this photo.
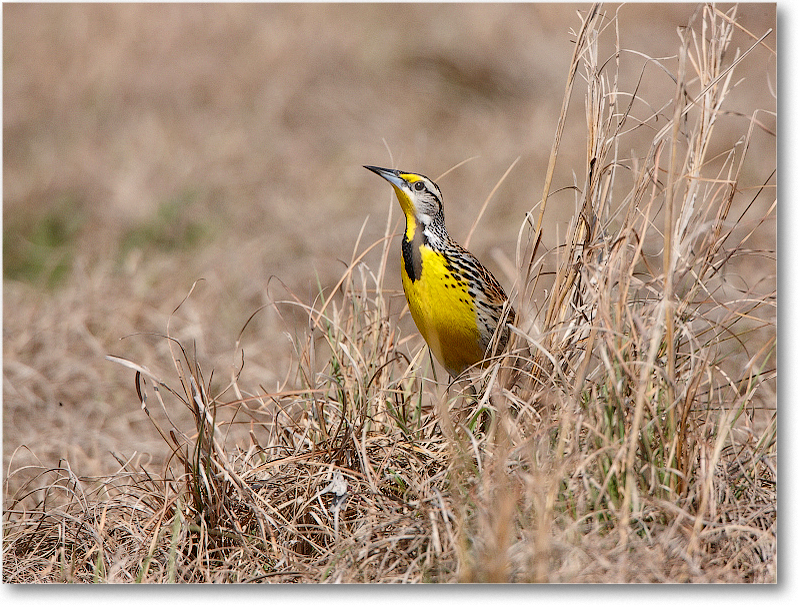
(454, 300)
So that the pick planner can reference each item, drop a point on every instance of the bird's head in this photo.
(420, 197)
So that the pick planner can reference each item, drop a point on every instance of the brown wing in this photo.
(484, 288)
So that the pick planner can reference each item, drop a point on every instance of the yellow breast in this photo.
(444, 313)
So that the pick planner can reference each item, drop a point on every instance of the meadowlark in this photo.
(455, 301)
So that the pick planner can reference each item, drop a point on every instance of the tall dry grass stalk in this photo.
(628, 434)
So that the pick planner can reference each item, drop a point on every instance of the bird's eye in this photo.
(419, 186)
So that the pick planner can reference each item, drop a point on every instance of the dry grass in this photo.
(627, 435)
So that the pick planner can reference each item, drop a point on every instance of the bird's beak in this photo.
(390, 175)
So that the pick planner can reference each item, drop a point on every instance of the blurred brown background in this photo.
(145, 147)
